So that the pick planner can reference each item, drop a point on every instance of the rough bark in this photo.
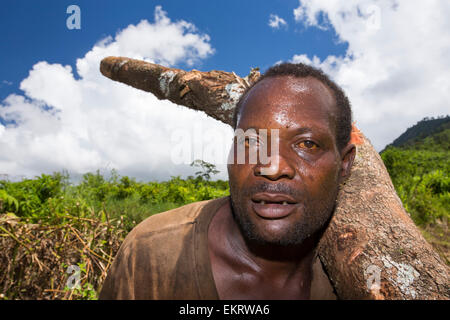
(214, 92)
(370, 237)
(371, 233)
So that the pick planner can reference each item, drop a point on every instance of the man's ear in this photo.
(347, 157)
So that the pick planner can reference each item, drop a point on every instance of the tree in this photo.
(207, 169)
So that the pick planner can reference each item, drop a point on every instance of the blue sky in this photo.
(34, 31)
(58, 112)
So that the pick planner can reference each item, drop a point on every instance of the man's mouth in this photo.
(273, 206)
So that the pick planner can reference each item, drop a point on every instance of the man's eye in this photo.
(251, 142)
(308, 144)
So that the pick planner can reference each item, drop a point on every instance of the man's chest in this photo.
(235, 284)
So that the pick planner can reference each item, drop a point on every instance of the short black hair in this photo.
(301, 70)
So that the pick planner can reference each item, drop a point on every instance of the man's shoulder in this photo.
(164, 256)
(170, 221)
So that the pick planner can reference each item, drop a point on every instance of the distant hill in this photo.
(426, 134)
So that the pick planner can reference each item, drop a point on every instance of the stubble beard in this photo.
(314, 218)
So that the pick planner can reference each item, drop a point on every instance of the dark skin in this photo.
(273, 258)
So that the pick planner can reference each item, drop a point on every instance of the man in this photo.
(260, 242)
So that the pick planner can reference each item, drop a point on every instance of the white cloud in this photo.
(94, 123)
(396, 68)
(275, 21)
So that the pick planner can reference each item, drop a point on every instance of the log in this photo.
(371, 248)
(215, 93)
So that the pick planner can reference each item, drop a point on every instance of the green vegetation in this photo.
(48, 224)
(419, 168)
(421, 179)
(49, 198)
(419, 165)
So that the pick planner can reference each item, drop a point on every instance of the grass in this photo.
(439, 237)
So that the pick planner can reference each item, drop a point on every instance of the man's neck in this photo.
(269, 257)
(233, 255)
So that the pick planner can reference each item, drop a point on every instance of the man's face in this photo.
(296, 199)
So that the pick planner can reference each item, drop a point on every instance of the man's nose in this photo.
(276, 169)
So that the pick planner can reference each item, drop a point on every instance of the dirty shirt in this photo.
(166, 257)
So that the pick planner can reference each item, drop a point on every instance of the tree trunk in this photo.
(371, 249)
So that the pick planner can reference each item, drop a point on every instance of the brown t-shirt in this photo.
(166, 257)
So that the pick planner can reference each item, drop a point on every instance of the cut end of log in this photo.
(111, 65)
(356, 136)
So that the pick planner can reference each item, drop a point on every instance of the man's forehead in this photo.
(287, 100)
(290, 86)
